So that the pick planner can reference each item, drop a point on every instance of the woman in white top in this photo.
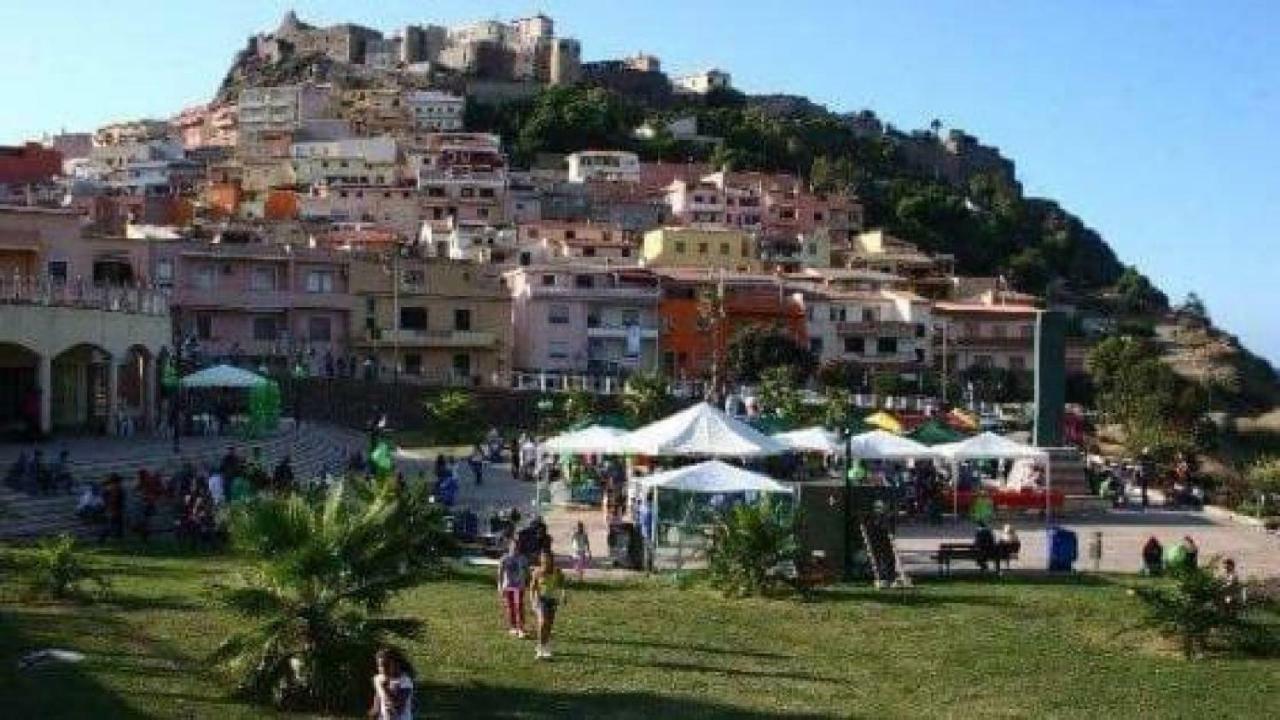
(392, 689)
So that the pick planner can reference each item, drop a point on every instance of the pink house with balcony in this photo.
(584, 319)
(258, 302)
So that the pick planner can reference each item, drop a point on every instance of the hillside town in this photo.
(364, 368)
(366, 232)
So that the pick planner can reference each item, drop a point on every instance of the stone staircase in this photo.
(315, 450)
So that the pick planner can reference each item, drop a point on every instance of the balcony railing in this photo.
(262, 299)
(434, 338)
(887, 328)
(618, 330)
(50, 292)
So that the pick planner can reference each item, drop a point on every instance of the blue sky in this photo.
(1152, 120)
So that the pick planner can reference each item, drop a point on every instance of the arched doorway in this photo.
(80, 389)
(19, 391)
(136, 393)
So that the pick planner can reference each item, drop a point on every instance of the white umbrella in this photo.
(701, 431)
(990, 446)
(713, 477)
(884, 445)
(223, 376)
(596, 439)
(813, 439)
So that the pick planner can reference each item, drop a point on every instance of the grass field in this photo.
(646, 649)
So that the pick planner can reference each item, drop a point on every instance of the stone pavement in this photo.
(1123, 534)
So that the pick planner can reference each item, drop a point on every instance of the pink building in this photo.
(584, 319)
(261, 302)
(212, 125)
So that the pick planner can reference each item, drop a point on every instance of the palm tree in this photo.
(322, 571)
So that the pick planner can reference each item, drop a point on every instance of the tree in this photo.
(646, 398)
(452, 417)
(1194, 307)
(749, 545)
(579, 407)
(1157, 408)
(837, 409)
(754, 350)
(1137, 295)
(322, 571)
(779, 396)
(1264, 479)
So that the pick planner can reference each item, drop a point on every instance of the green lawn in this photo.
(1009, 648)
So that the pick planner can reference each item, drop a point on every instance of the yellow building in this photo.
(700, 247)
(448, 323)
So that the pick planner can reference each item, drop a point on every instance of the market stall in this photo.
(811, 440)
(257, 397)
(989, 446)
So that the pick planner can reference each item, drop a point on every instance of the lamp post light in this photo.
(848, 503)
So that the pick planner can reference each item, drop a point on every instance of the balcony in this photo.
(265, 300)
(888, 328)
(619, 331)
(476, 339)
(995, 343)
(31, 290)
(641, 295)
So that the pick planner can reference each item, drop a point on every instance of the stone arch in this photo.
(136, 386)
(19, 384)
(81, 391)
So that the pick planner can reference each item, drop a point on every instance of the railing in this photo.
(435, 338)
(895, 328)
(567, 382)
(45, 291)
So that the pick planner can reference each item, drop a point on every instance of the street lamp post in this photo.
(300, 373)
(848, 502)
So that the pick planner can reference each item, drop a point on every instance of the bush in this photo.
(452, 418)
(56, 570)
(753, 547)
(1190, 607)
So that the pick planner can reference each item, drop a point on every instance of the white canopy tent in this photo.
(884, 445)
(989, 446)
(813, 439)
(223, 376)
(712, 477)
(701, 431)
(592, 440)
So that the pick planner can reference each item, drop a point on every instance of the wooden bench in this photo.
(1002, 552)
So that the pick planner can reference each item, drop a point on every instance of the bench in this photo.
(1002, 552)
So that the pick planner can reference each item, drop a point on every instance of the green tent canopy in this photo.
(936, 433)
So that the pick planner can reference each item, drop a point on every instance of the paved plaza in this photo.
(1123, 534)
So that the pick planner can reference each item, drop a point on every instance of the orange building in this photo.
(281, 205)
(693, 340)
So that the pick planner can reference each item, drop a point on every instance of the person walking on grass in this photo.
(392, 688)
(547, 587)
(581, 545)
(512, 572)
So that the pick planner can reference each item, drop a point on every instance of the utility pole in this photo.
(395, 313)
(944, 363)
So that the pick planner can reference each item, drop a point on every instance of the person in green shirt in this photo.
(548, 588)
(240, 490)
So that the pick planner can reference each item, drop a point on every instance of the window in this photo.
(588, 252)
(262, 278)
(413, 318)
(462, 319)
(202, 279)
(558, 350)
(855, 345)
(997, 331)
(1017, 362)
(320, 281)
(319, 329)
(815, 346)
(370, 305)
(482, 212)
(887, 346)
(702, 248)
(204, 327)
(58, 270)
(833, 314)
(558, 315)
(164, 272)
(462, 365)
(265, 328)
(584, 281)
(870, 314)
(983, 361)
(548, 280)
(680, 248)
(724, 248)
(817, 217)
(413, 364)
(630, 317)
(467, 192)
(1028, 331)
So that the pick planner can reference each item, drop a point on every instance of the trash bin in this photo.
(1063, 549)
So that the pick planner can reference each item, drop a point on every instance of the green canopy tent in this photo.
(935, 433)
